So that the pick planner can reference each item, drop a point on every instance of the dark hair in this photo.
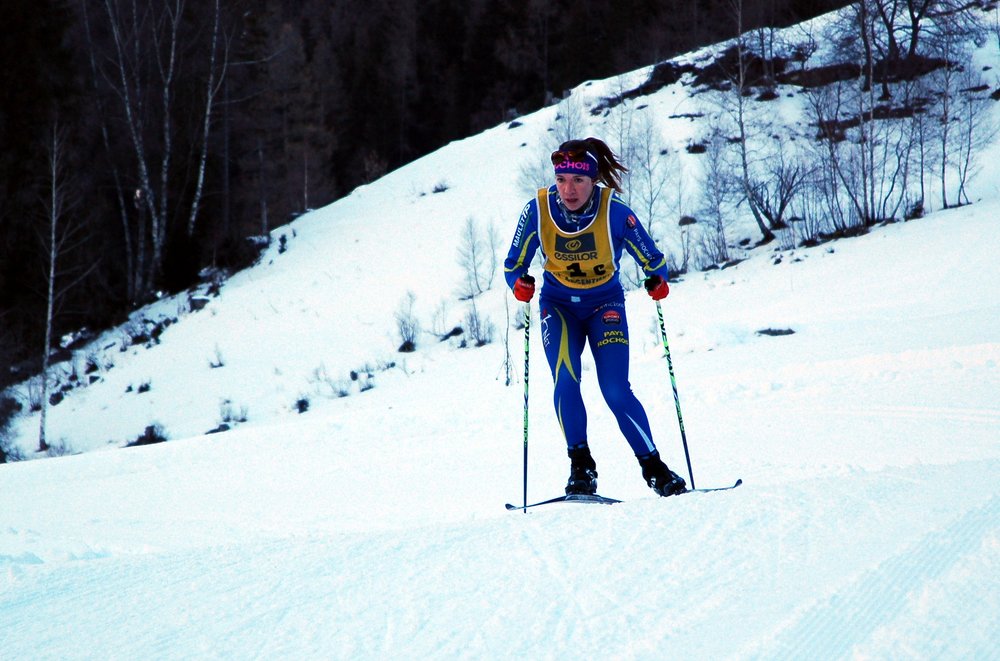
(609, 169)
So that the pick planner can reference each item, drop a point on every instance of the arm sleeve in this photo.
(640, 244)
(523, 247)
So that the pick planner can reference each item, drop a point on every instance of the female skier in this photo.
(581, 226)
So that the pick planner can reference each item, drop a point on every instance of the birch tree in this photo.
(477, 257)
(59, 237)
(736, 103)
(140, 53)
(717, 193)
(213, 83)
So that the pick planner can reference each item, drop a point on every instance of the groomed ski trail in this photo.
(894, 610)
(630, 580)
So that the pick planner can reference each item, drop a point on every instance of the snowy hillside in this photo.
(372, 526)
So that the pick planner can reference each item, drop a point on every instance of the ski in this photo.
(731, 486)
(569, 498)
(604, 500)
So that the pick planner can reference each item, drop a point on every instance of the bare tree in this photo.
(736, 104)
(148, 52)
(651, 166)
(718, 190)
(569, 122)
(134, 241)
(994, 23)
(768, 173)
(837, 156)
(494, 245)
(480, 329)
(61, 237)
(811, 217)
(976, 130)
(920, 129)
(535, 171)
(946, 82)
(785, 174)
(478, 258)
(686, 229)
(956, 109)
(932, 22)
(213, 83)
(128, 22)
(622, 128)
(685, 223)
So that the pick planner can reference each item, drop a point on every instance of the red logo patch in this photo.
(631, 221)
(612, 317)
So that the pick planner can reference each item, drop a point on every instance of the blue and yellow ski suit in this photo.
(582, 300)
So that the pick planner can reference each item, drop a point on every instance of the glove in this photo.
(657, 287)
(524, 288)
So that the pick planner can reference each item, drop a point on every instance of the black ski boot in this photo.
(661, 479)
(582, 472)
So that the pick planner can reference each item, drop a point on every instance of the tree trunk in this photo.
(211, 88)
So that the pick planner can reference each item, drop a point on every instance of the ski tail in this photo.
(569, 498)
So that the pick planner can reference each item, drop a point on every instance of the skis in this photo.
(731, 486)
(604, 500)
(569, 498)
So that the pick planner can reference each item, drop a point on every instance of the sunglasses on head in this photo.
(572, 155)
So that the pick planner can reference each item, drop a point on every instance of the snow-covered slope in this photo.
(372, 525)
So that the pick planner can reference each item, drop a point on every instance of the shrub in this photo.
(34, 393)
(218, 361)
(915, 210)
(407, 324)
(775, 332)
(58, 449)
(228, 414)
(480, 330)
(338, 387)
(153, 434)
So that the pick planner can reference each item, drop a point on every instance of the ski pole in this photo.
(673, 384)
(527, 336)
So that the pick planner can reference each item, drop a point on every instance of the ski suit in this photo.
(582, 301)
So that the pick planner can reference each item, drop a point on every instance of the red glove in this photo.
(657, 287)
(524, 288)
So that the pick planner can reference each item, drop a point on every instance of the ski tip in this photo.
(513, 507)
(738, 482)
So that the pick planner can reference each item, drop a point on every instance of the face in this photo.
(574, 190)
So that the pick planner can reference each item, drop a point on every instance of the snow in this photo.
(372, 526)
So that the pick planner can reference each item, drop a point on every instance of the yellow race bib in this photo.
(580, 259)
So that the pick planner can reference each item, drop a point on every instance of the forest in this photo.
(147, 144)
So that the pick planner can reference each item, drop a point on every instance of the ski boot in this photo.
(582, 472)
(661, 479)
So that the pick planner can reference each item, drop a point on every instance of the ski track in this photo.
(890, 612)
(629, 580)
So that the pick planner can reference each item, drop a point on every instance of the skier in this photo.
(581, 226)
